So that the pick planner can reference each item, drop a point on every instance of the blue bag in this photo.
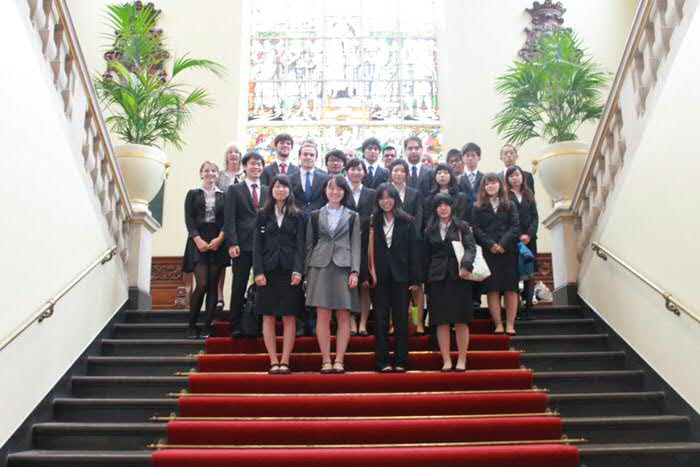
(526, 262)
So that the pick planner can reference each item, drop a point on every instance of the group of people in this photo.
(364, 234)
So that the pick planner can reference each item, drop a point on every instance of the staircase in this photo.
(108, 419)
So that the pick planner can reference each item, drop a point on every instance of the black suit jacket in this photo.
(529, 179)
(195, 210)
(381, 175)
(240, 215)
(273, 169)
(440, 258)
(527, 216)
(365, 206)
(502, 227)
(413, 204)
(425, 182)
(401, 259)
(314, 200)
(467, 189)
(278, 247)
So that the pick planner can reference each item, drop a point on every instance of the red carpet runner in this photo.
(236, 414)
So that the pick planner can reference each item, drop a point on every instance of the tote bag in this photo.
(481, 269)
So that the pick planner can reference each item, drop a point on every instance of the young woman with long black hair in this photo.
(496, 228)
(524, 199)
(446, 182)
(394, 270)
(449, 288)
(278, 264)
(205, 254)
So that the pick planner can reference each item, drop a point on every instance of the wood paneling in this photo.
(170, 287)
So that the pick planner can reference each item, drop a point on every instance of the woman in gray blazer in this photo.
(332, 268)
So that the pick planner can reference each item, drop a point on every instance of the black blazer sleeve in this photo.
(534, 221)
(511, 235)
(190, 215)
(364, 259)
(230, 216)
(258, 245)
(418, 218)
(469, 249)
(479, 233)
(300, 246)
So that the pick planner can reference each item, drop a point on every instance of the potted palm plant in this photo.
(147, 105)
(549, 96)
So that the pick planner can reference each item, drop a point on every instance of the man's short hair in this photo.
(338, 154)
(283, 137)
(509, 145)
(471, 147)
(453, 153)
(308, 143)
(388, 148)
(412, 138)
(252, 155)
(371, 142)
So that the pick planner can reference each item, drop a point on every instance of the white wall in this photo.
(50, 231)
(477, 40)
(651, 221)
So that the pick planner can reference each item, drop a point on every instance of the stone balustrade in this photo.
(59, 46)
(654, 35)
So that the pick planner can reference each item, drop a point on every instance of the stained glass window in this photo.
(339, 72)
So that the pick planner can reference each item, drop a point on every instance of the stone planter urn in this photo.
(559, 167)
(144, 169)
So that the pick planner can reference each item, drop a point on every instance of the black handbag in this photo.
(250, 322)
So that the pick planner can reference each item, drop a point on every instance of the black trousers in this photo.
(390, 298)
(241, 273)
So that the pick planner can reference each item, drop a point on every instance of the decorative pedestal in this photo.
(141, 231)
(565, 263)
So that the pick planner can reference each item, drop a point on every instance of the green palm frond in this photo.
(551, 94)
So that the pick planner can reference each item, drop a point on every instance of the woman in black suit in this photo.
(278, 263)
(524, 199)
(449, 288)
(204, 254)
(496, 228)
(445, 182)
(393, 270)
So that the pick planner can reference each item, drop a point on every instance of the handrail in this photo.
(47, 310)
(672, 305)
(91, 97)
(641, 18)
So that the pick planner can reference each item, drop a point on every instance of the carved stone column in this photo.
(141, 230)
(561, 222)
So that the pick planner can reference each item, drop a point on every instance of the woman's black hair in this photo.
(439, 199)
(452, 186)
(524, 189)
(341, 182)
(269, 206)
(403, 164)
(399, 212)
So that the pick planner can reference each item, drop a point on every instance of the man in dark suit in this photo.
(388, 156)
(471, 180)
(376, 174)
(419, 177)
(509, 157)
(240, 209)
(308, 181)
(283, 144)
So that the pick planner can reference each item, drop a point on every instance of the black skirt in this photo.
(504, 274)
(279, 297)
(450, 302)
(193, 256)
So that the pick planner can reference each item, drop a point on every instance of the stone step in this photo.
(628, 429)
(98, 436)
(139, 366)
(583, 404)
(127, 386)
(117, 410)
(561, 343)
(152, 347)
(675, 454)
(591, 381)
(572, 361)
(111, 458)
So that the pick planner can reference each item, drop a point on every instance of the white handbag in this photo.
(481, 269)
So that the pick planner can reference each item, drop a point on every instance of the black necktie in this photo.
(414, 176)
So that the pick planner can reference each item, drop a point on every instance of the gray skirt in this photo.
(328, 288)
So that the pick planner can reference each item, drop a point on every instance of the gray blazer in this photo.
(343, 248)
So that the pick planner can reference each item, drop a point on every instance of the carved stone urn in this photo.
(144, 168)
(559, 167)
